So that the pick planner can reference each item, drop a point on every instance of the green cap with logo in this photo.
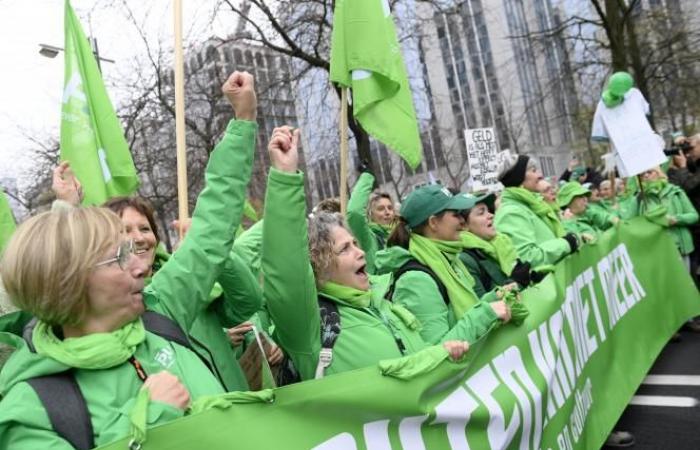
(488, 198)
(570, 190)
(429, 200)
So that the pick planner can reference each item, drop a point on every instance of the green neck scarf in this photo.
(538, 206)
(378, 228)
(442, 258)
(353, 297)
(92, 351)
(655, 187)
(500, 248)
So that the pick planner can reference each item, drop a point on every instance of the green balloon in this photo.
(619, 83)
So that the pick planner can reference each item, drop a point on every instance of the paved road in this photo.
(669, 427)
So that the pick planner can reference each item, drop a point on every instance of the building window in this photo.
(547, 166)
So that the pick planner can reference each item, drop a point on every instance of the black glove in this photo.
(536, 277)
(521, 274)
(572, 239)
(363, 166)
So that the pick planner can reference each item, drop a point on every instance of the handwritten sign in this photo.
(482, 149)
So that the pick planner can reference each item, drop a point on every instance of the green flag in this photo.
(7, 220)
(366, 57)
(91, 135)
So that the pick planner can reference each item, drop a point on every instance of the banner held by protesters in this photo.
(559, 381)
(92, 138)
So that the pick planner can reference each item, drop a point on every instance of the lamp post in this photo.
(50, 51)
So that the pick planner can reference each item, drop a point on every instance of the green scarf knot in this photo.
(500, 248)
(442, 258)
(92, 351)
(538, 206)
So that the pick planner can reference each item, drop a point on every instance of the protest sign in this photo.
(559, 381)
(481, 154)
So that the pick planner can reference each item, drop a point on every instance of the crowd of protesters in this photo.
(105, 309)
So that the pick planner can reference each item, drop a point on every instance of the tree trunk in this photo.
(616, 35)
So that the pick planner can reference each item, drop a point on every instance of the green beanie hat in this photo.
(618, 85)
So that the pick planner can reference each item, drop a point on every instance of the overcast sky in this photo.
(31, 84)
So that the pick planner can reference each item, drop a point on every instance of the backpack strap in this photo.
(66, 408)
(330, 329)
(414, 265)
(166, 328)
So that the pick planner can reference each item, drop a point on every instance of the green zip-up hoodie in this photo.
(418, 292)
(367, 335)
(179, 290)
(533, 239)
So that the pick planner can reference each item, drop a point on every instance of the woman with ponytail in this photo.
(428, 277)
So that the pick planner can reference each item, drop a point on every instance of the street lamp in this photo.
(50, 51)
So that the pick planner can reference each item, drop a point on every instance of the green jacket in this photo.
(367, 335)
(356, 217)
(484, 269)
(593, 221)
(179, 290)
(533, 239)
(418, 292)
(678, 205)
(235, 297)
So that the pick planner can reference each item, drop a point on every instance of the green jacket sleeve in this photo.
(684, 210)
(357, 218)
(248, 246)
(242, 293)
(519, 229)
(601, 220)
(181, 287)
(417, 292)
(289, 286)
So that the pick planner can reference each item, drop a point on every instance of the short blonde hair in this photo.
(47, 263)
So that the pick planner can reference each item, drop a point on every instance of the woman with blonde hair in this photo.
(74, 270)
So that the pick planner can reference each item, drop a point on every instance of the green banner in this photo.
(91, 135)
(559, 381)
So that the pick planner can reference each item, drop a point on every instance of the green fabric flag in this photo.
(366, 57)
(7, 220)
(91, 135)
(559, 380)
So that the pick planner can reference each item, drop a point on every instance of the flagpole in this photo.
(343, 149)
(182, 201)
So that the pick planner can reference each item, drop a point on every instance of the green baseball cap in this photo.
(488, 198)
(570, 190)
(429, 200)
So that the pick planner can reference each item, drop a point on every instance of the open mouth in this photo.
(140, 251)
(361, 271)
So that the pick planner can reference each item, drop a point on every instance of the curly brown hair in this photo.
(321, 242)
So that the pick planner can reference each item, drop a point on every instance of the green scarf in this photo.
(536, 205)
(442, 258)
(500, 248)
(381, 229)
(353, 297)
(92, 351)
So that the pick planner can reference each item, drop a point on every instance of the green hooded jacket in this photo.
(678, 205)
(533, 239)
(180, 290)
(367, 335)
(484, 269)
(418, 292)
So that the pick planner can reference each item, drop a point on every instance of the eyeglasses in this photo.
(124, 252)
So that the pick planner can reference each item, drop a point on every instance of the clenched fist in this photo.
(239, 89)
(283, 149)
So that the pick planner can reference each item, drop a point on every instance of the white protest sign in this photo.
(481, 155)
(636, 147)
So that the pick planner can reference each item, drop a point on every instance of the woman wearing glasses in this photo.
(74, 270)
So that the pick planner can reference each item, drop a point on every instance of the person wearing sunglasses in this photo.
(75, 271)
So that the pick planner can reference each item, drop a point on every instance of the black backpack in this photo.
(413, 265)
(61, 396)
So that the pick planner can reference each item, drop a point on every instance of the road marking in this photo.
(673, 380)
(659, 400)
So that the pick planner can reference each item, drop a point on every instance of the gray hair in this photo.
(321, 225)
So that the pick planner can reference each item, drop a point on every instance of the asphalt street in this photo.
(674, 382)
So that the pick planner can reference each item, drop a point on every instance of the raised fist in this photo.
(283, 150)
(166, 388)
(65, 185)
(239, 89)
